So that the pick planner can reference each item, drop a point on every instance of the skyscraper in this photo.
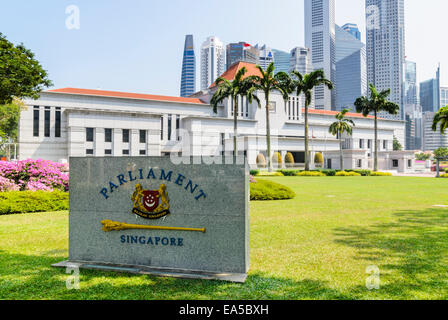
(410, 83)
(188, 80)
(266, 56)
(300, 60)
(351, 69)
(241, 52)
(430, 94)
(281, 61)
(320, 38)
(386, 48)
(212, 61)
(353, 29)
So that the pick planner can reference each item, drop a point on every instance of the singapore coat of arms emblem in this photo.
(151, 204)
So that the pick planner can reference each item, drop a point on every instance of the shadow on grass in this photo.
(32, 277)
(411, 253)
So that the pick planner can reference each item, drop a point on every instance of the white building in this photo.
(432, 140)
(266, 56)
(213, 57)
(72, 122)
(386, 48)
(320, 38)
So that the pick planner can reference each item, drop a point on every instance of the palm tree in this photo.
(442, 118)
(226, 89)
(339, 127)
(266, 83)
(378, 102)
(305, 84)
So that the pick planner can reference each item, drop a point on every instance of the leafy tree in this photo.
(441, 153)
(319, 158)
(441, 118)
(21, 76)
(261, 161)
(226, 89)
(397, 145)
(422, 156)
(277, 158)
(266, 83)
(9, 123)
(289, 159)
(339, 127)
(305, 84)
(376, 103)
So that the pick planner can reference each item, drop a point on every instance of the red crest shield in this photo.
(151, 199)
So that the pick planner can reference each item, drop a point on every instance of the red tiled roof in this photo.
(126, 95)
(334, 113)
(230, 74)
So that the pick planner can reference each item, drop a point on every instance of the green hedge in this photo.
(32, 201)
(268, 190)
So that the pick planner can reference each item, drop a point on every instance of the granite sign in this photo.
(148, 215)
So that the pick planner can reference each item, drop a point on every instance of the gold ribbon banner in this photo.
(109, 225)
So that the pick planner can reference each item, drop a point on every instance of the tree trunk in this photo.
(235, 129)
(268, 134)
(307, 155)
(341, 153)
(375, 163)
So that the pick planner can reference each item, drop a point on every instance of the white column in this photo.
(117, 143)
(134, 142)
(99, 142)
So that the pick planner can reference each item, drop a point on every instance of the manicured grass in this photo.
(316, 246)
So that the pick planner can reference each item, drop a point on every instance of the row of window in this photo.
(90, 135)
(47, 122)
(108, 152)
(170, 127)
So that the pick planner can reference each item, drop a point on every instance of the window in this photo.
(108, 152)
(272, 106)
(36, 121)
(143, 152)
(395, 163)
(47, 122)
(89, 152)
(360, 163)
(125, 135)
(328, 163)
(385, 144)
(161, 128)
(178, 127)
(369, 144)
(107, 135)
(89, 134)
(170, 119)
(126, 152)
(223, 144)
(409, 163)
(361, 143)
(142, 136)
(57, 127)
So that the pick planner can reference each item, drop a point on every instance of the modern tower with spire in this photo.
(188, 81)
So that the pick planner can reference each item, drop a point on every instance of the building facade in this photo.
(353, 29)
(386, 48)
(188, 78)
(281, 61)
(241, 52)
(320, 38)
(73, 122)
(432, 139)
(351, 69)
(266, 56)
(410, 84)
(212, 61)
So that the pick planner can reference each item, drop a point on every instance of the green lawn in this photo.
(316, 246)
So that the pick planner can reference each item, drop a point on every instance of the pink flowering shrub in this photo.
(8, 185)
(34, 175)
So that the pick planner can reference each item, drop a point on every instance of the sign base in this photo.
(160, 272)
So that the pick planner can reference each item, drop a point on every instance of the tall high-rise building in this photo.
(386, 48)
(353, 29)
(188, 80)
(430, 94)
(300, 60)
(432, 139)
(443, 97)
(281, 61)
(266, 56)
(320, 38)
(410, 83)
(351, 69)
(212, 61)
(241, 52)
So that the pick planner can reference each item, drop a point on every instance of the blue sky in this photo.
(136, 45)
